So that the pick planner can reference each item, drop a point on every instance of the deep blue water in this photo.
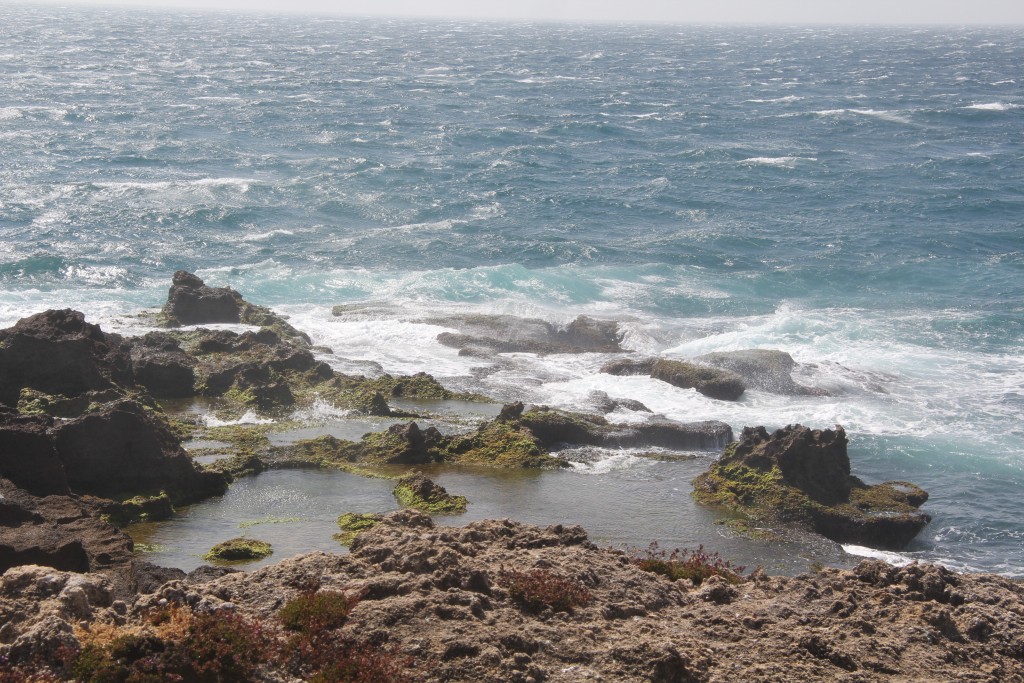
(853, 196)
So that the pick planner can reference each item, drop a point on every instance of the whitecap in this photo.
(785, 162)
(261, 236)
(993, 106)
(249, 418)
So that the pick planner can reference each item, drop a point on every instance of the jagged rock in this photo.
(124, 449)
(711, 382)
(58, 353)
(764, 369)
(801, 476)
(191, 302)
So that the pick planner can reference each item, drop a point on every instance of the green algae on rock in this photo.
(351, 523)
(417, 491)
(801, 477)
(238, 550)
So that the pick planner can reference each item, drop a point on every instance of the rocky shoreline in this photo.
(87, 443)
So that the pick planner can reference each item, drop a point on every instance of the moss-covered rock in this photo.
(801, 477)
(351, 523)
(417, 491)
(499, 443)
(139, 509)
(238, 550)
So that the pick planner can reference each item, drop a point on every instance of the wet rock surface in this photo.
(434, 595)
(801, 476)
(485, 335)
(765, 369)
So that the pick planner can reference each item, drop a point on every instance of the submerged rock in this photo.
(801, 476)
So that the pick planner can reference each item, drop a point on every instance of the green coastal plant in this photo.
(538, 589)
(696, 565)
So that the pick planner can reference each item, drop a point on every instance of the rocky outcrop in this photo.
(801, 476)
(191, 302)
(57, 352)
(439, 599)
(482, 335)
(764, 369)
(123, 449)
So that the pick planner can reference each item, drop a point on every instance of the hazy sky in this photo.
(752, 11)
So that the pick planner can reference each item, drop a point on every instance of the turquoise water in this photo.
(851, 196)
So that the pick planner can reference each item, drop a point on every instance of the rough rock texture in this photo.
(436, 596)
(159, 365)
(713, 383)
(60, 531)
(124, 449)
(765, 369)
(57, 352)
(482, 335)
(624, 367)
(801, 476)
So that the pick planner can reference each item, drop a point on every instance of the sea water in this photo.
(853, 196)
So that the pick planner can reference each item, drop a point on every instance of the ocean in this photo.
(853, 196)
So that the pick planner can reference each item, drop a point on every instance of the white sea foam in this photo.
(787, 98)
(249, 418)
(884, 555)
(263, 236)
(993, 106)
(786, 162)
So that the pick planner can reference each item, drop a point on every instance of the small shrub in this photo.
(695, 565)
(220, 648)
(313, 612)
(537, 589)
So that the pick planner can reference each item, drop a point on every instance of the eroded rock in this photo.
(801, 476)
